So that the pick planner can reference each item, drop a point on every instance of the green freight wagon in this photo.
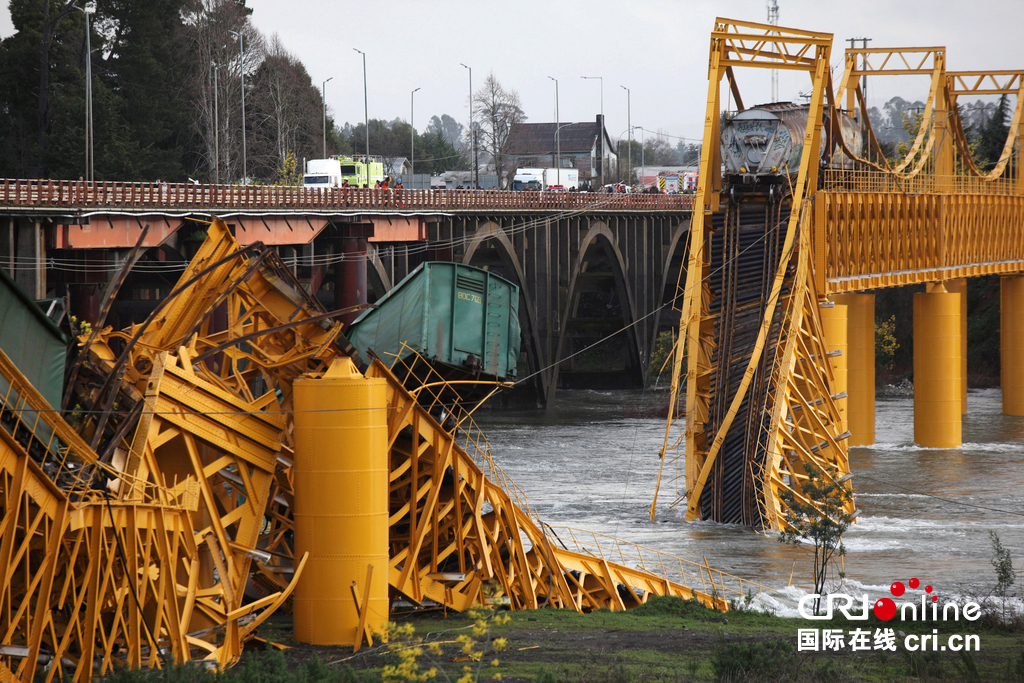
(463, 319)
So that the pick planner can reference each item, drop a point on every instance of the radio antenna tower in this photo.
(773, 19)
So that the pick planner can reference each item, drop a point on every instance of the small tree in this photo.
(817, 515)
(1003, 565)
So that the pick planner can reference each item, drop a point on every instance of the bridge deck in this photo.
(49, 196)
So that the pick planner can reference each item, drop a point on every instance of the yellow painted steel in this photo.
(937, 416)
(834, 322)
(1011, 343)
(341, 504)
(861, 366)
(960, 287)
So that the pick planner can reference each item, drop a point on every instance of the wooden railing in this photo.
(83, 195)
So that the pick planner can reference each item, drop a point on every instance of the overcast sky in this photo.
(657, 48)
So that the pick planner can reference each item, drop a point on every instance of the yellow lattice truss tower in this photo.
(929, 217)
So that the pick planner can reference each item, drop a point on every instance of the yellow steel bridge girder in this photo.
(873, 239)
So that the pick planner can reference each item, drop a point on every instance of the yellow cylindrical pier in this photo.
(341, 505)
(937, 399)
(834, 323)
(860, 315)
(1011, 343)
(960, 287)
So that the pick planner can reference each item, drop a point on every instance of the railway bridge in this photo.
(588, 264)
(775, 358)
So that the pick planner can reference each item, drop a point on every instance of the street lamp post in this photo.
(558, 135)
(601, 132)
(323, 101)
(643, 163)
(90, 164)
(472, 130)
(412, 136)
(629, 127)
(241, 76)
(216, 127)
(366, 117)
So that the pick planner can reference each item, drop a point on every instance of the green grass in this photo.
(666, 640)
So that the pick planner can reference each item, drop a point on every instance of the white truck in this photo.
(562, 178)
(322, 173)
(546, 178)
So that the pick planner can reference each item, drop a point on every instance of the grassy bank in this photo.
(665, 640)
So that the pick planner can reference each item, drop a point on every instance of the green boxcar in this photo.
(32, 341)
(457, 315)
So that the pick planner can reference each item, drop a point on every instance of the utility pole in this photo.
(629, 134)
(90, 162)
(323, 101)
(412, 137)
(472, 130)
(773, 19)
(216, 128)
(864, 63)
(366, 117)
(558, 135)
(241, 76)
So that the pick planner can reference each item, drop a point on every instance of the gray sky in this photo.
(657, 48)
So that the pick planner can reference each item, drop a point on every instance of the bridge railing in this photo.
(925, 183)
(83, 195)
(874, 231)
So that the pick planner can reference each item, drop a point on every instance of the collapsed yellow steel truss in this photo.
(156, 523)
(932, 216)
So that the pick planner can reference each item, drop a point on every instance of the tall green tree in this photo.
(992, 136)
(143, 68)
(42, 75)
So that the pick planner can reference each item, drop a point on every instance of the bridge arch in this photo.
(673, 270)
(599, 247)
(514, 271)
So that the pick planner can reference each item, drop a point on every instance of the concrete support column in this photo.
(937, 416)
(350, 278)
(834, 321)
(85, 301)
(1011, 343)
(30, 253)
(960, 287)
(860, 314)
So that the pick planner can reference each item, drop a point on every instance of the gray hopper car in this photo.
(767, 140)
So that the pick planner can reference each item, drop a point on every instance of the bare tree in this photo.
(285, 108)
(211, 48)
(496, 110)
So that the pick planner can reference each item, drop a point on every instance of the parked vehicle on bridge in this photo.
(767, 140)
(359, 171)
(528, 179)
(546, 178)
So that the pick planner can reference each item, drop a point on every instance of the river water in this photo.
(588, 462)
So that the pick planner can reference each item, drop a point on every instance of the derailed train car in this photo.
(766, 141)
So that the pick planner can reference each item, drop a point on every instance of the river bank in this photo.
(671, 640)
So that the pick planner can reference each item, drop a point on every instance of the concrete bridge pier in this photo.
(835, 322)
(350, 282)
(1011, 343)
(23, 254)
(860, 325)
(960, 286)
(937, 367)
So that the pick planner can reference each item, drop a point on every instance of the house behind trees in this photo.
(584, 146)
